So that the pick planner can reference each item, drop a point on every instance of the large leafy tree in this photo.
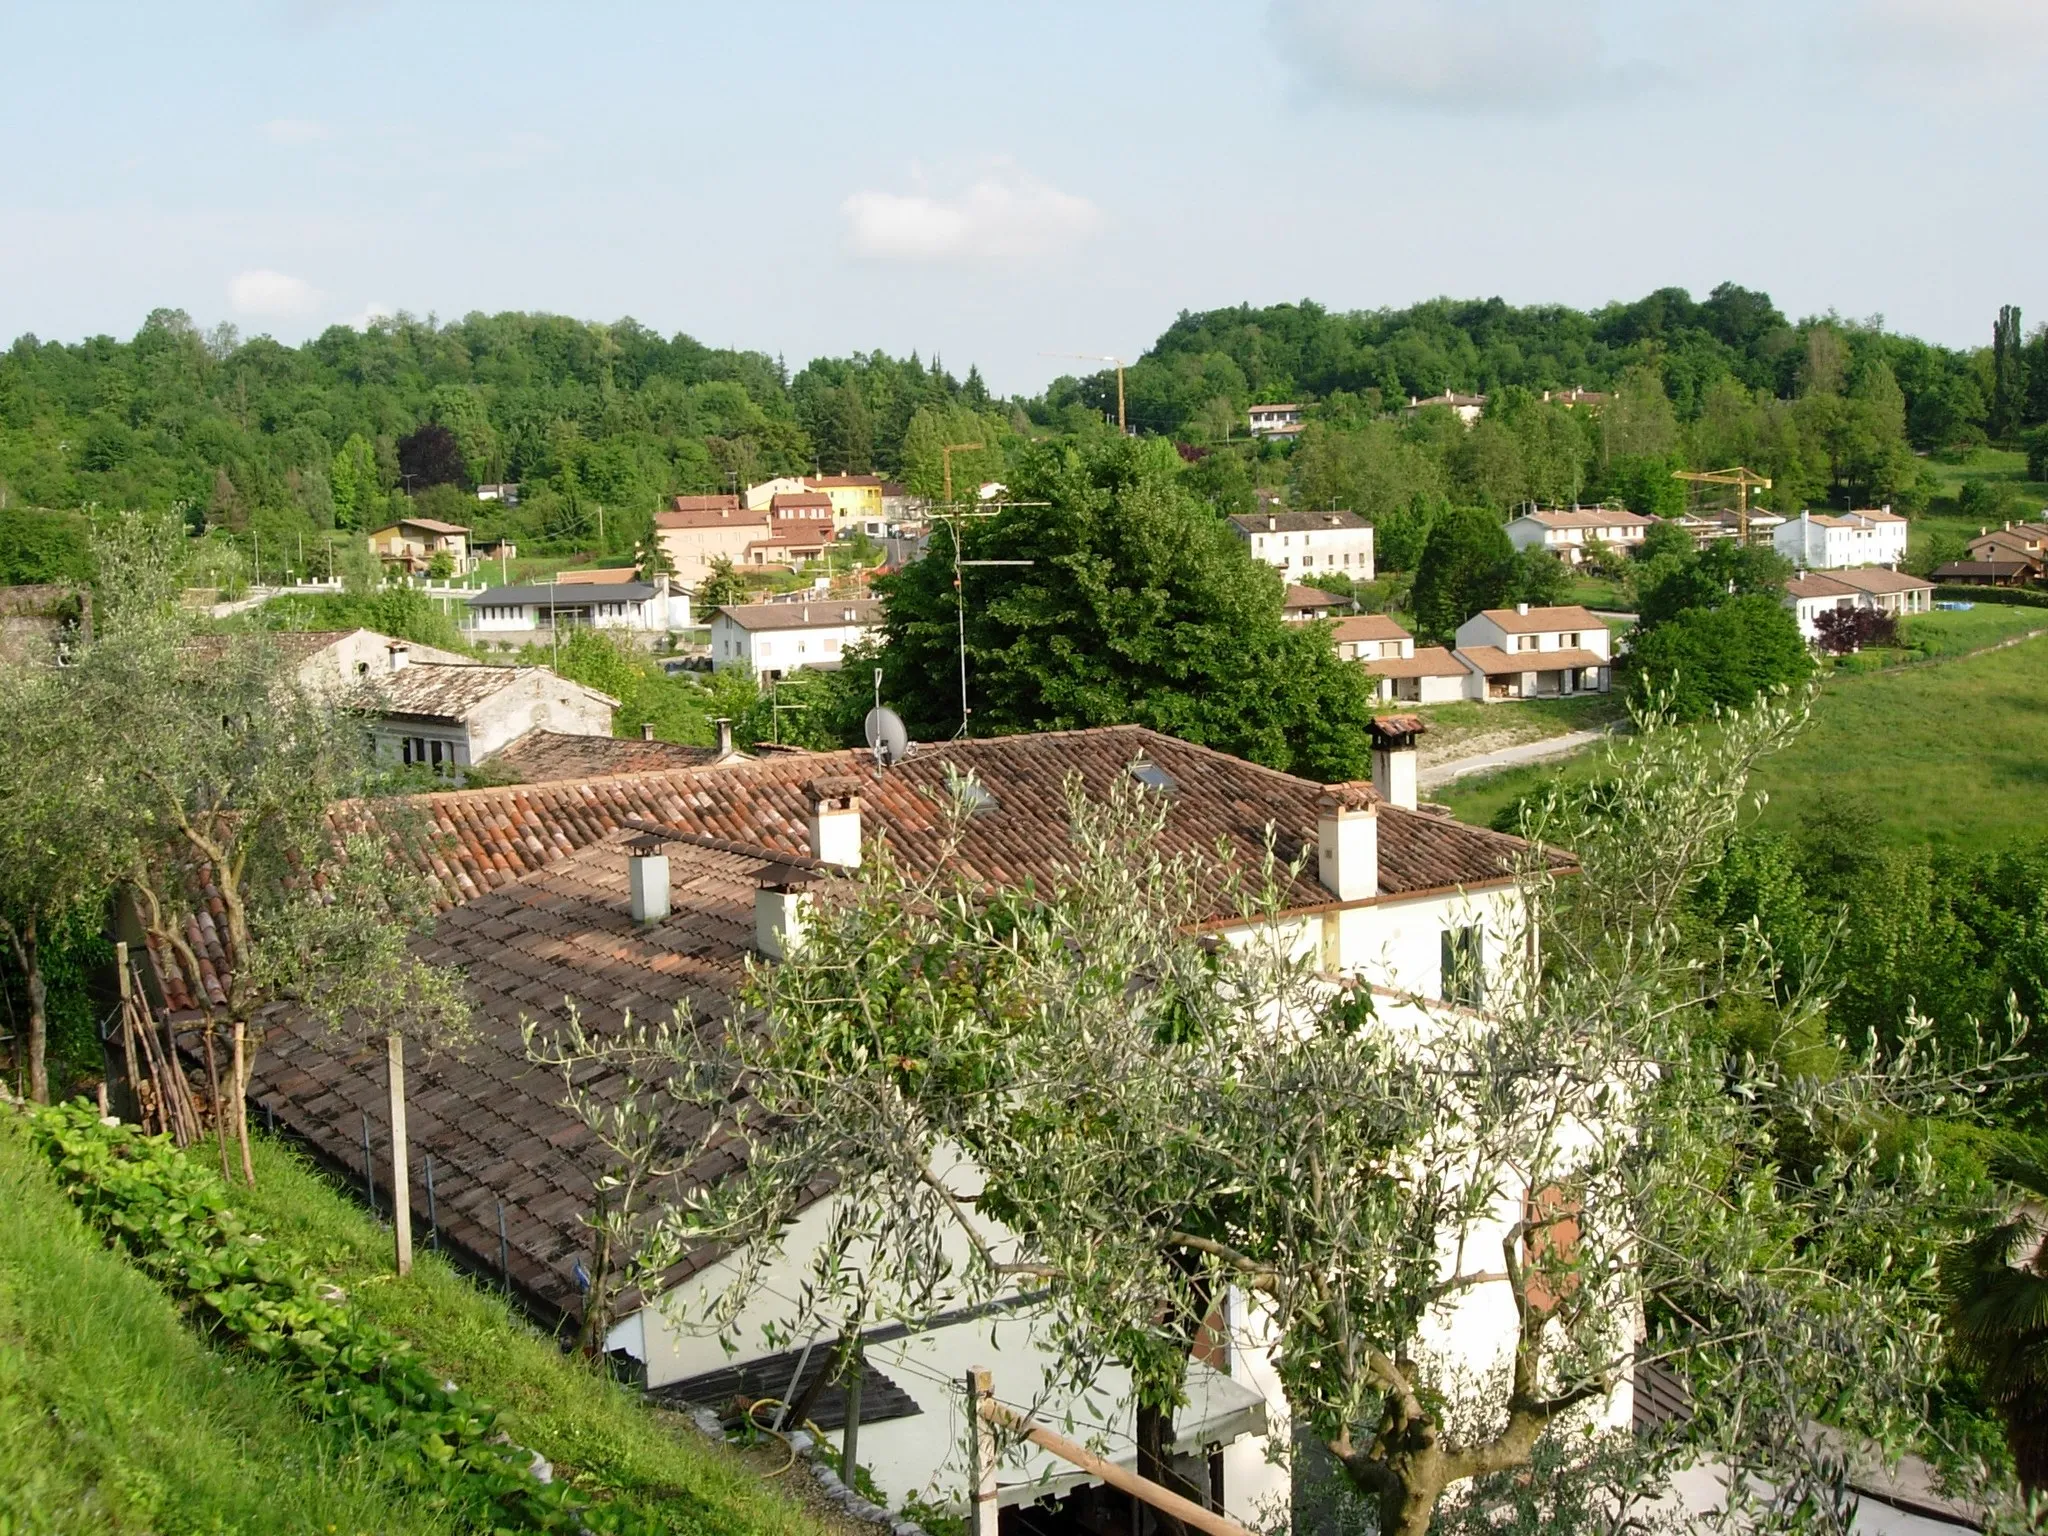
(1720, 657)
(1998, 1289)
(1134, 604)
(1468, 564)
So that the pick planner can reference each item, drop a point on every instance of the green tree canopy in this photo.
(1139, 605)
(1468, 564)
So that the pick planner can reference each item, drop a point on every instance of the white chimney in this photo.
(1394, 758)
(647, 730)
(835, 821)
(400, 654)
(646, 882)
(779, 920)
(1522, 609)
(724, 736)
(1272, 523)
(1348, 842)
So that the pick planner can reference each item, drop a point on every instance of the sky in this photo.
(993, 183)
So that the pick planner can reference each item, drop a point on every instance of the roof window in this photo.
(1152, 776)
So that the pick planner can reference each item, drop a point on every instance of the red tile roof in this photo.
(1367, 626)
(1539, 621)
(1428, 661)
(1495, 662)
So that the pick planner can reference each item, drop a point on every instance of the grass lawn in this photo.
(1955, 753)
(1597, 592)
(1999, 466)
(115, 1417)
(1465, 728)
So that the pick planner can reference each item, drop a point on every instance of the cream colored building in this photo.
(693, 531)
(1299, 544)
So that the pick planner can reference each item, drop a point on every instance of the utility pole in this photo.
(1103, 357)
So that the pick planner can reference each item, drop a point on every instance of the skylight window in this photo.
(1152, 776)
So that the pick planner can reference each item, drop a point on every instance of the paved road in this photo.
(1439, 774)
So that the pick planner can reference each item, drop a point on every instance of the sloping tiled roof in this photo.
(785, 499)
(541, 757)
(565, 594)
(1367, 626)
(1984, 568)
(434, 691)
(490, 1119)
(1876, 579)
(1495, 662)
(610, 577)
(1542, 620)
(708, 512)
(1813, 584)
(844, 482)
(1298, 596)
(1428, 661)
(1587, 517)
(1298, 522)
(826, 613)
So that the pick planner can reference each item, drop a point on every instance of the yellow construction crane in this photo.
(1103, 357)
(1742, 479)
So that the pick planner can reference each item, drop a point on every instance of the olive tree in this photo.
(1154, 1116)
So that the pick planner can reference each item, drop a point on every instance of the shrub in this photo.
(1845, 630)
(1720, 656)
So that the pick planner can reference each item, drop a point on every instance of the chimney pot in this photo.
(724, 736)
(400, 653)
(835, 821)
(647, 730)
(647, 886)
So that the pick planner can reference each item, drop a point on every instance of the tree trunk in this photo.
(240, 1069)
(401, 1189)
(38, 1015)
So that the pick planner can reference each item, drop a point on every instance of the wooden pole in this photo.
(239, 1068)
(981, 1399)
(220, 1124)
(128, 1030)
(991, 1413)
(401, 1191)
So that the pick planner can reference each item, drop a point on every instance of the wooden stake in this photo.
(220, 1125)
(980, 1402)
(401, 1190)
(240, 1071)
(849, 1444)
(128, 1030)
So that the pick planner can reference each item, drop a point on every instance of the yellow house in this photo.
(855, 498)
(414, 541)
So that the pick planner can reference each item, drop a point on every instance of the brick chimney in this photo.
(400, 655)
(835, 821)
(1394, 758)
(646, 880)
(1348, 841)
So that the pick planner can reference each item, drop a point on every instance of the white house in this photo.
(1817, 541)
(760, 496)
(1567, 532)
(1400, 672)
(660, 888)
(1308, 543)
(512, 613)
(1274, 420)
(1534, 653)
(1467, 408)
(769, 639)
(1885, 591)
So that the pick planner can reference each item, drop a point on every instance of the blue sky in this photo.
(992, 182)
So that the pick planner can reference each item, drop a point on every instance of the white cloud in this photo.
(1005, 213)
(1476, 53)
(372, 312)
(268, 294)
(296, 130)
(1987, 40)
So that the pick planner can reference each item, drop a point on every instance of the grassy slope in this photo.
(1457, 730)
(582, 1423)
(114, 1417)
(1955, 752)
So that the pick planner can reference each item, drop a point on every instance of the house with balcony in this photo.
(411, 544)
(1534, 653)
(1300, 544)
(1816, 541)
(1274, 420)
(1568, 532)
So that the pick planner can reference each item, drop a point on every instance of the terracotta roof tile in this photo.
(540, 757)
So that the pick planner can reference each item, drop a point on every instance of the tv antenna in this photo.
(952, 516)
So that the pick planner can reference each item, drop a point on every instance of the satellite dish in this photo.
(888, 735)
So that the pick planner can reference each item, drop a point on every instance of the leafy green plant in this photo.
(172, 1218)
